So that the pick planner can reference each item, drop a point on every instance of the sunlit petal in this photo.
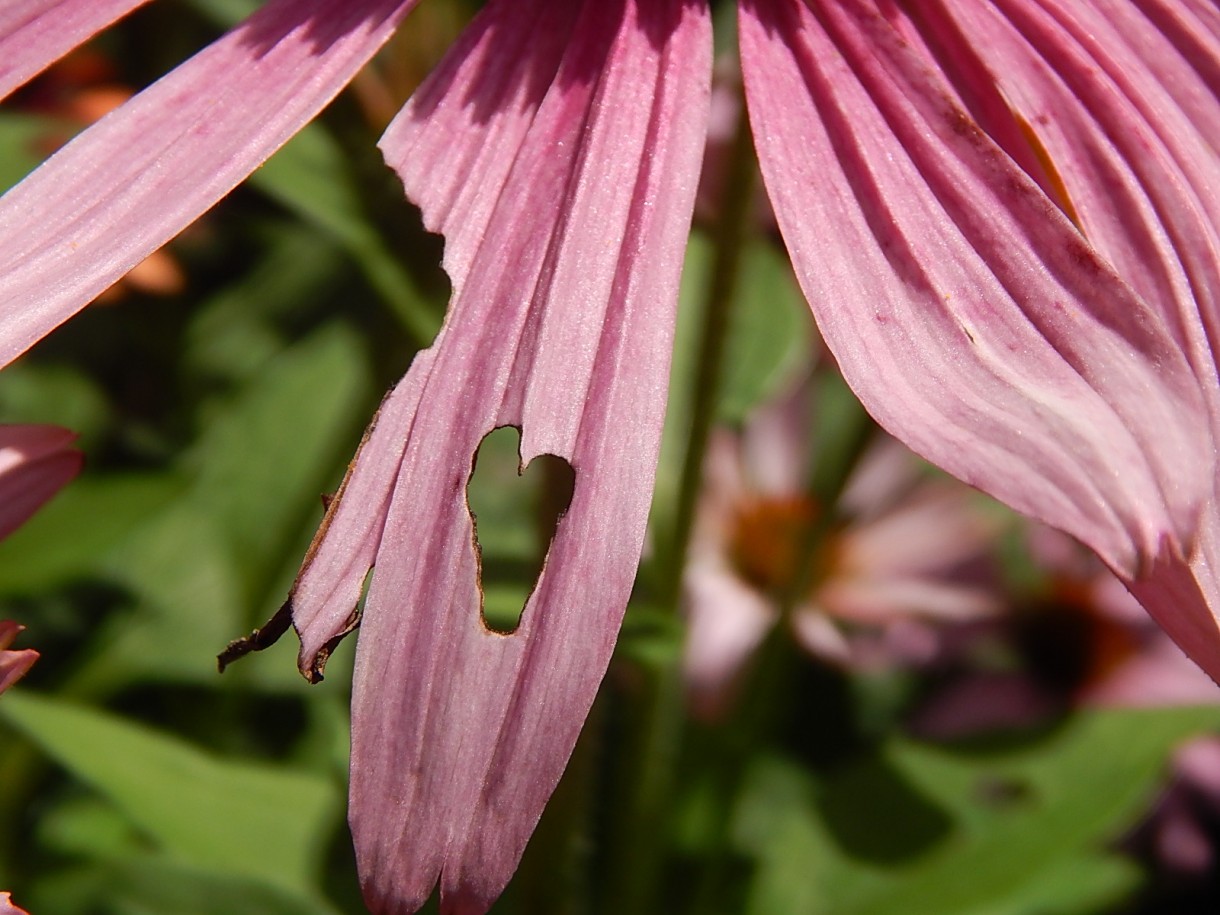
(558, 149)
(158, 162)
(36, 33)
(964, 307)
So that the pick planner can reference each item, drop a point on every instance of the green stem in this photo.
(640, 833)
(760, 710)
(728, 239)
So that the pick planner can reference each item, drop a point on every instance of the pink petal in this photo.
(934, 530)
(558, 149)
(776, 443)
(726, 621)
(13, 666)
(1182, 593)
(1137, 154)
(35, 463)
(964, 308)
(819, 636)
(140, 175)
(1198, 762)
(1159, 676)
(1183, 844)
(36, 33)
(328, 589)
(1121, 129)
(876, 600)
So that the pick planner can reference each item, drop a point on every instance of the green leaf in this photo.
(85, 825)
(310, 176)
(225, 12)
(770, 333)
(219, 561)
(264, 463)
(157, 885)
(34, 393)
(932, 829)
(84, 521)
(21, 139)
(236, 332)
(188, 603)
(227, 817)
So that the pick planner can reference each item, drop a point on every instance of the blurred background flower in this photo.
(861, 582)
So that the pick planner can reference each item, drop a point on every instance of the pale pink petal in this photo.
(933, 530)
(965, 310)
(558, 150)
(8, 908)
(13, 664)
(1181, 842)
(1199, 763)
(726, 486)
(726, 621)
(905, 642)
(876, 598)
(35, 463)
(982, 703)
(821, 637)
(885, 473)
(1160, 675)
(775, 444)
(140, 175)
(903, 563)
(36, 33)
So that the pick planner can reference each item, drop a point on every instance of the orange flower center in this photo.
(772, 544)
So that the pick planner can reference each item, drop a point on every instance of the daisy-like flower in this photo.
(1002, 212)
(859, 590)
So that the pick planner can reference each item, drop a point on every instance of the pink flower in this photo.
(35, 462)
(1078, 639)
(1179, 834)
(13, 664)
(1002, 213)
(902, 554)
(7, 907)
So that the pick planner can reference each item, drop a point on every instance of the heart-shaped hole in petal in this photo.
(514, 513)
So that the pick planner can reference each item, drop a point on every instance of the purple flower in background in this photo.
(1180, 834)
(1003, 215)
(902, 552)
(1075, 639)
